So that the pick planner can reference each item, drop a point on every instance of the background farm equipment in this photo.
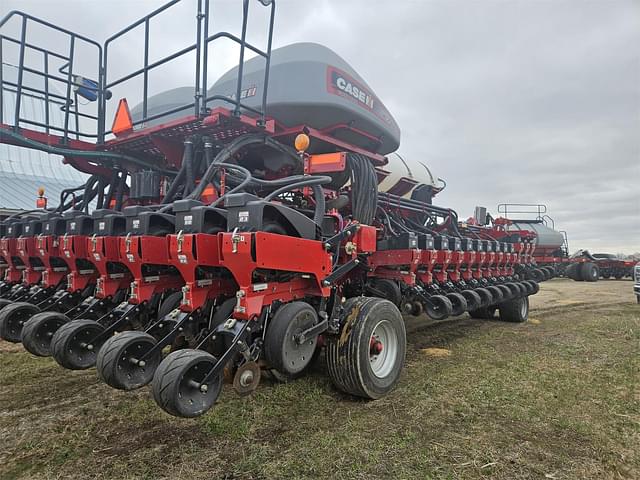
(551, 251)
(225, 232)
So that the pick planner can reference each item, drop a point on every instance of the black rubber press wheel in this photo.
(12, 319)
(120, 364)
(178, 386)
(74, 345)
(39, 330)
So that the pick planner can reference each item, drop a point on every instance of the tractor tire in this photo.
(175, 383)
(4, 302)
(516, 311)
(367, 358)
(12, 319)
(39, 330)
(589, 272)
(484, 313)
(577, 272)
(570, 271)
(385, 288)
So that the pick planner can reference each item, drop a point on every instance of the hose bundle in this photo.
(364, 188)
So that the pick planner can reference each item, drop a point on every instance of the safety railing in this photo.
(200, 46)
(88, 120)
(38, 81)
(539, 210)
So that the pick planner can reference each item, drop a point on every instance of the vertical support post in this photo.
(69, 82)
(1, 84)
(205, 58)
(243, 39)
(102, 97)
(46, 91)
(23, 35)
(77, 116)
(267, 64)
(197, 94)
(145, 75)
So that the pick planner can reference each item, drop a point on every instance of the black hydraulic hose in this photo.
(208, 152)
(175, 185)
(242, 185)
(180, 177)
(307, 182)
(90, 191)
(364, 188)
(112, 188)
(231, 149)
(100, 201)
(318, 194)
(120, 190)
(187, 158)
(70, 152)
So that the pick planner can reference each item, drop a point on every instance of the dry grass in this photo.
(558, 398)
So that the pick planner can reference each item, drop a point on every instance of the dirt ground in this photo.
(555, 398)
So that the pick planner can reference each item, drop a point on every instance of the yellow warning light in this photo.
(302, 142)
(41, 191)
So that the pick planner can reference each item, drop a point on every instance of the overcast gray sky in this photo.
(508, 101)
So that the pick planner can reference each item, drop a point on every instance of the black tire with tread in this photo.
(34, 339)
(389, 289)
(458, 303)
(166, 382)
(170, 303)
(61, 339)
(515, 311)
(589, 272)
(278, 329)
(484, 313)
(10, 318)
(348, 353)
(442, 309)
(109, 358)
(474, 301)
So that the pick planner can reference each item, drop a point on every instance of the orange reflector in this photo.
(302, 142)
(122, 122)
(327, 162)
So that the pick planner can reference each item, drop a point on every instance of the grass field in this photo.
(558, 397)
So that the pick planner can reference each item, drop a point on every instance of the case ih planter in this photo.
(551, 252)
(224, 232)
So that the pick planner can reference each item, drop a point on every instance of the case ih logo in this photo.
(341, 84)
(245, 93)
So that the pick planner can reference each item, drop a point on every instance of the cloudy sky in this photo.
(509, 101)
